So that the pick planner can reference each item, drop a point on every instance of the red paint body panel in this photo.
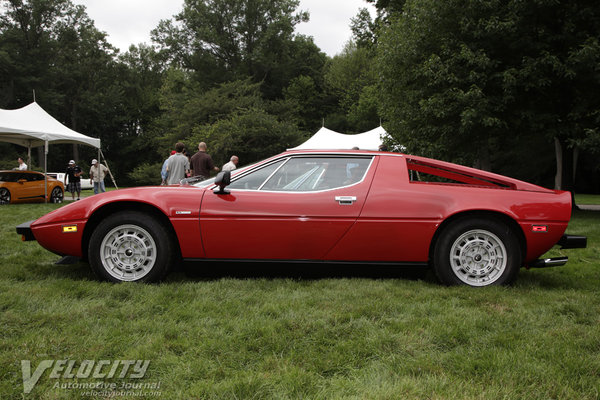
(279, 225)
(400, 217)
(167, 200)
(51, 237)
(392, 219)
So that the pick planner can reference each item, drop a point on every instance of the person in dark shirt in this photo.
(202, 162)
(73, 174)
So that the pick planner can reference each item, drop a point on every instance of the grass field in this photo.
(279, 333)
(587, 199)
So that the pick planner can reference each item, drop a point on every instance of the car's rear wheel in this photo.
(57, 195)
(131, 246)
(4, 196)
(477, 252)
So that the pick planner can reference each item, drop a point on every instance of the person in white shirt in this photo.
(97, 174)
(22, 165)
(232, 164)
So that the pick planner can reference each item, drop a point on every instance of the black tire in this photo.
(477, 252)
(4, 196)
(131, 246)
(57, 195)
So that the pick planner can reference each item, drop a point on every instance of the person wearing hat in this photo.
(97, 174)
(73, 174)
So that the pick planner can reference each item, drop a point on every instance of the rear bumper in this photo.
(25, 231)
(572, 242)
(565, 242)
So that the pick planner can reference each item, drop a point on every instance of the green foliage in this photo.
(146, 174)
(351, 76)
(251, 134)
(222, 40)
(185, 106)
(468, 80)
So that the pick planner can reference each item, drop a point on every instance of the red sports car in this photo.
(473, 227)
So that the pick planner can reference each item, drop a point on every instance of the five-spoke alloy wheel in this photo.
(57, 195)
(4, 196)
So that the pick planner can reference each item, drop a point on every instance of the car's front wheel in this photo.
(477, 252)
(57, 195)
(131, 246)
(4, 196)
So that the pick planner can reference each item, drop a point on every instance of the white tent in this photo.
(328, 139)
(31, 126)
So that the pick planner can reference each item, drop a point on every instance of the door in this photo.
(30, 186)
(295, 208)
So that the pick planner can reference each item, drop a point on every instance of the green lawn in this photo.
(264, 335)
(587, 198)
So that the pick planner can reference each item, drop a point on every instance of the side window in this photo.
(253, 180)
(9, 177)
(305, 174)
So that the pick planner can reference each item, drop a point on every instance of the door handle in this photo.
(345, 200)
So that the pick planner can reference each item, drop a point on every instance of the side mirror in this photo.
(222, 179)
(22, 181)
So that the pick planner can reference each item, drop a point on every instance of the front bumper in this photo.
(25, 231)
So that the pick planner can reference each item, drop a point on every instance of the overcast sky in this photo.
(130, 21)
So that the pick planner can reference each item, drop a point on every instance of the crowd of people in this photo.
(181, 165)
(177, 166)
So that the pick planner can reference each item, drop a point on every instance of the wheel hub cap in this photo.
(128, 252)
(478, 257)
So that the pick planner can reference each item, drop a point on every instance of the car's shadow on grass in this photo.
(300, 271)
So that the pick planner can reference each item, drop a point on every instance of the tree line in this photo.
(507, 86)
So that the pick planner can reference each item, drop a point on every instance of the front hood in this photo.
(168, 199)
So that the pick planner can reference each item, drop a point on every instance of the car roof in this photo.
(16, 171)
(342, 152)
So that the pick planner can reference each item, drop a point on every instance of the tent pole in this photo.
(29, 156)
(46, 171)
(107, 167)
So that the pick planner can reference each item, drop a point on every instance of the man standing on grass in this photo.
(73, 174)
(202, 162)
(97, 174)
(177, 165)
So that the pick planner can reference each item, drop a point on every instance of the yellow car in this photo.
(28, 187)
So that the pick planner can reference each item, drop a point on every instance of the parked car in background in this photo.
(85, 183)
(27, 187)
(347, 207)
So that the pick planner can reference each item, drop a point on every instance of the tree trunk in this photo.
(483, 161)
(558, 181)
(74, 127)
(575, 159)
